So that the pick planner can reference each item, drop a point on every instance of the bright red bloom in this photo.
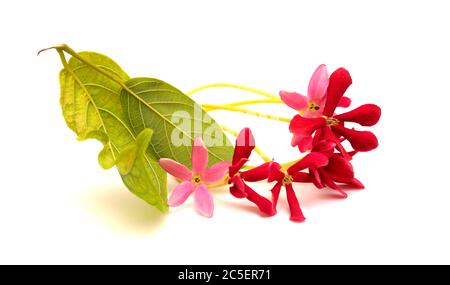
(331, 126)
(338, 171)
(293, 174)
(245, 143)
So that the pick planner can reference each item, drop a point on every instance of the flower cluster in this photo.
(318, 132)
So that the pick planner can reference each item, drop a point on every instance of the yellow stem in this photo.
(252, 102)
(212, 107)
(257, 149)
(234, 86)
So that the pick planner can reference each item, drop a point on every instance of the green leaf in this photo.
(91, 107)
(175, 119)
(133, 166)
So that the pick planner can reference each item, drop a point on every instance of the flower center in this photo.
(196, 180)
(287, 179)
(332, 121)
(313, 107)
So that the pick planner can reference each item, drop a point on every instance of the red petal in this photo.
(275, 174)
(256, 174)
(313, 159)
(340, 80)
(315, 176)
(275, 194)
(365, 115)
(264, 205)
(233, 169)
(294, 206)
(301, 177)
(356, 184)
(326, 179)
(324, 146)
(360, 140)
(305, 126)
(340, 169)
(245, 143)
(238, 187)
(344, 102)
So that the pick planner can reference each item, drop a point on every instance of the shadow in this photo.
(309, 195)
(122, 211)
(243, 205)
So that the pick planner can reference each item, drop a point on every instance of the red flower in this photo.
(292, 174)
(245, 143)
(338, 171)
(331, 127)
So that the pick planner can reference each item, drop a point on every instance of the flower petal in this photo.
(237, 166)
(313, 159)
(301, 177)
(238, 187)
(275, 174)
(356, 184)
(305, 126)
(180, 193)
(344, 102)
(264, 205)
(318, 83)
(294, 206)
(365, 115)
(199, 156)
(275, 194)
(305, 144)
(216, 172)
(324, 146)
(326, 179)
(203, 201)
(339, 81)
(258, 173)
(340, 169)
(245, 143)
(294, 100)
(315, 176)
(360, 140)
(175, 169)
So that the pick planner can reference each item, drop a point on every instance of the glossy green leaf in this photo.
(91, 107)
(175, 119)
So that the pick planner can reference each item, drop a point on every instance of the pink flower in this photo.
(312, 105)
(195, 180)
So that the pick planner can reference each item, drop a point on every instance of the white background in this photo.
(58, 206)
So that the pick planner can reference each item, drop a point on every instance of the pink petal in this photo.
(245, 143)
(199, 156)
(180, 193)
(294, 100)
(203, 201)
(216, 172)
(175, 169)
(318, 83)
